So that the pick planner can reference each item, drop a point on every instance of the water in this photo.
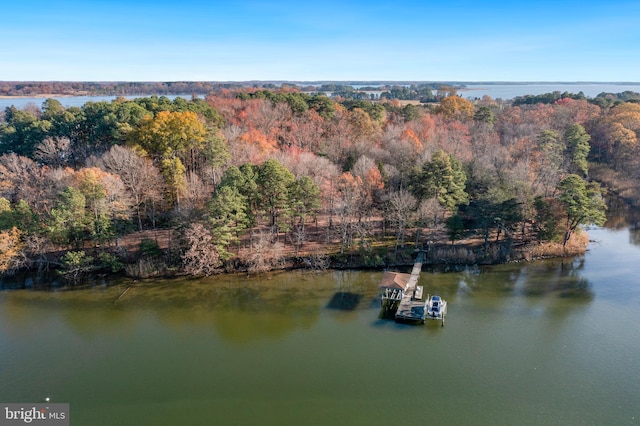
(510, 91)
(502, 91)
(552, 342)
(70, 101)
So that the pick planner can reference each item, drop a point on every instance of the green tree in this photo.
(75, 265)
(68, 221)
(443, 178)
(304, 200)
(215, 150)
(486, 214)
(6, 214)
(244, 180)
(549, 214)
(21, 131)
(227, 216)
(324, 106)
(455, 227)
(577, 142)
(273, 182)
(20, 216)
(410, 112)
(583, 204)
(484, 114)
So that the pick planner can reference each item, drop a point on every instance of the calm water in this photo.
(553, 342)
(502, 91)
(70, 101)
(510, 91)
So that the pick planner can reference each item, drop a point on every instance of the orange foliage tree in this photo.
(456, 108)
(172, 139)
(11, 249)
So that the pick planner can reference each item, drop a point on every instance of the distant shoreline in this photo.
(43, 96)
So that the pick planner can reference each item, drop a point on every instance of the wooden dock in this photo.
(411, 306)
(402, 294)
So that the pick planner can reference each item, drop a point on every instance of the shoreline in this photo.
(445, 259)
(40, 96)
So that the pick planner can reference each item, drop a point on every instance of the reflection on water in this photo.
(240, 308)
(621, 216)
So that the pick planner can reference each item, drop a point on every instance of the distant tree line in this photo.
(426, 92)
(26, 88)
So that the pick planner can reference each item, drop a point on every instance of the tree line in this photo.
(243, 175)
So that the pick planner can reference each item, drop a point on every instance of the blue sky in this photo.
(130, 40)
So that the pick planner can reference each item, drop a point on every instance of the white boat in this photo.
(436, 308)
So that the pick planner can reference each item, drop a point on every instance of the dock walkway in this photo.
(411, 306)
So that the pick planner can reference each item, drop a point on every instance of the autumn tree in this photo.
(12, 255)
(549, 166)
(89, 182)
(363, 127)
(172, 139)
(456, 108)
(616, 136)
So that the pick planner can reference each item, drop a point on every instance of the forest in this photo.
(251, 179)
(425, 92)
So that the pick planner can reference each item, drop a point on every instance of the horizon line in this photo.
(353, 81)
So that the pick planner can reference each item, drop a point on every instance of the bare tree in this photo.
(430, 214)
(54, 151)
(22, 179)
(139, 176)
(265, 253)
(201, 257)
(401, 209)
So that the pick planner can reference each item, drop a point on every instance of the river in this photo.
(550, 342)
(510, 91)
(472, 91)
(70, 101)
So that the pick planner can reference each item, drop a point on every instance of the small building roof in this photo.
(395, 280)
